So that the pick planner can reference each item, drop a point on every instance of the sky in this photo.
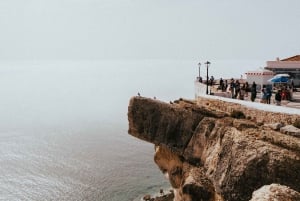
(149, 29)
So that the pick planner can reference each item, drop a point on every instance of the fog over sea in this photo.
(63, 125)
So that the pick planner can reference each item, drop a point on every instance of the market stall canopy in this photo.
(282, 75)
(280, 78)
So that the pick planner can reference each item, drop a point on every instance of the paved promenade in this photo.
(295, 103)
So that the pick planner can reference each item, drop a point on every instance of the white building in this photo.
(289, 66)
(260, 77)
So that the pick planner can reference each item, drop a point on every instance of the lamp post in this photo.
(199, 64)
(207, 65)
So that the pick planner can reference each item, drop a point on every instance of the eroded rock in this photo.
(162, 123)
(208, 155)
(275, 192)
(290, 130)
(274, 126)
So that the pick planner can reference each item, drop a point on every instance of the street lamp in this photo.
(207, 65)
(199, 64)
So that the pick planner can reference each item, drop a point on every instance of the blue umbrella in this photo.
(279, 79)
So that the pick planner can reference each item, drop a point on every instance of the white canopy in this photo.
(282, 75)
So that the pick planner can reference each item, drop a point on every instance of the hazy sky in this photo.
(149, 29)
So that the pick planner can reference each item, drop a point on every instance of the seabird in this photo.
(161, 191)
(139, 94)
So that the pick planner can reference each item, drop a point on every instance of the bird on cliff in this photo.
(139, 94)
(154, 98)
(161, 191)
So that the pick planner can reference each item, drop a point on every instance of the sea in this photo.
(64, 127)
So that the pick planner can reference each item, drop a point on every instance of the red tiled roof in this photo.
(294, 58)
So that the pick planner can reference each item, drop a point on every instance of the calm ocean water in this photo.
(63, 127)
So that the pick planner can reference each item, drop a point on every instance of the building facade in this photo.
(289, 66)
(260, 77)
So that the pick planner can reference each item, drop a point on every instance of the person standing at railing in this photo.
(237, 88)
(284, 94)
(211, 80)
(222, 84)
(278, 97)
(226, 85)
(292, 84)
(247, 89)
(242, 92)
(268, 94)
(263, 96)
(232, 88)
(253, 92)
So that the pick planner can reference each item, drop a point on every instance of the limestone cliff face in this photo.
(209, 155)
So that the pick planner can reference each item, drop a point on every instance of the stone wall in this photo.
(254, 114)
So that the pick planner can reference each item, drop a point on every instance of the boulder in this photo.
(290, 130)
(275, 192)
(274, 126)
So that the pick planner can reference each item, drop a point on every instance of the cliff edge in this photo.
(216, 153)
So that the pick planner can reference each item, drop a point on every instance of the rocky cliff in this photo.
(216, 154)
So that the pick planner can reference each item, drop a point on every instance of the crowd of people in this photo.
(243, 90)
(238, 90)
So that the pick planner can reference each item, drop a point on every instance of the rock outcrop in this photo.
(275, 192)
(209, 155)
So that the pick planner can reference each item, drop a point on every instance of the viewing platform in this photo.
(215, 90)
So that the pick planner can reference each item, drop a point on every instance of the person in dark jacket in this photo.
(222, 84)
(278, 97)
(247, 89)
(269, 94)
(253, 92)
(232, 88)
